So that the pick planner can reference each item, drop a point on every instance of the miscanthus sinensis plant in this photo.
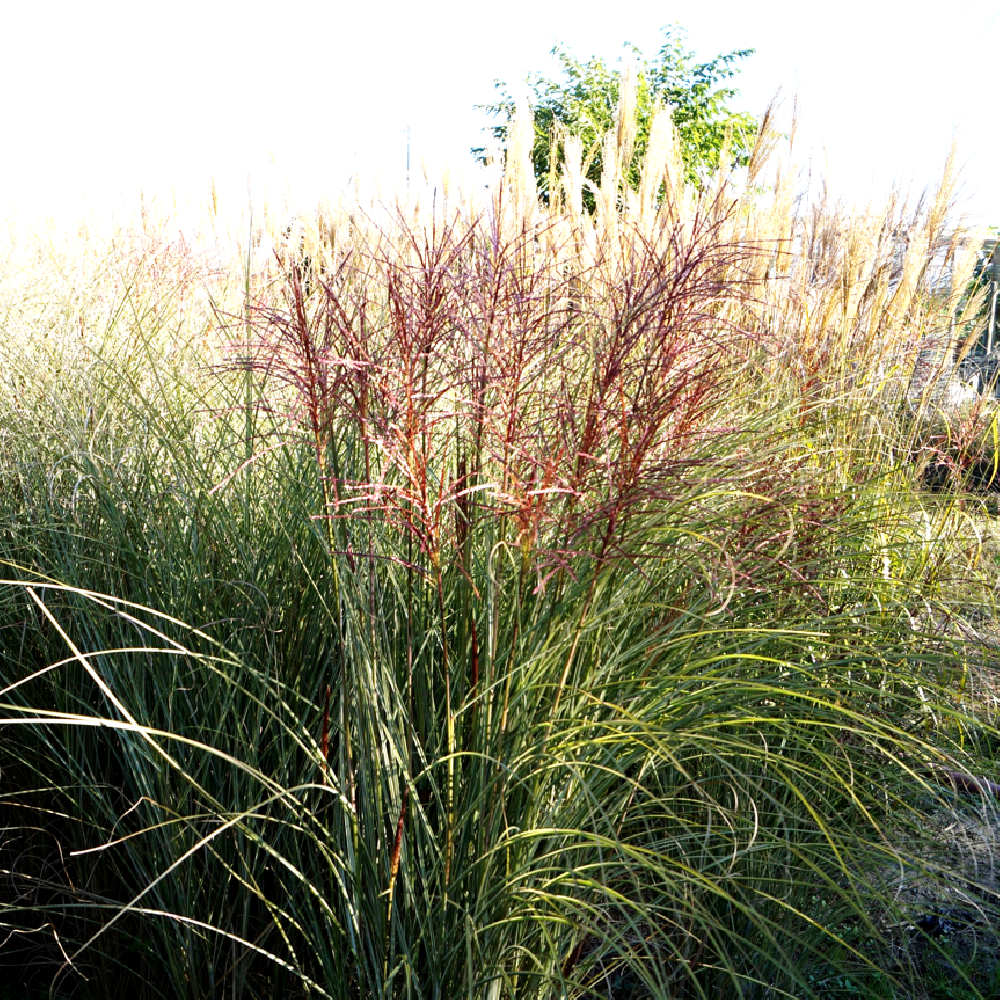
(477, 600)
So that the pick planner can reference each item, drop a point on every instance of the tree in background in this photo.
(584, 102)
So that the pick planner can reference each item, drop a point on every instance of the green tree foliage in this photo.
(584, 100)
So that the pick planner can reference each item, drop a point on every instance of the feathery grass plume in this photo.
(616, 156)
(572, 176)
(943, 197)
(625, 118)
(607, 214)
(765, 143)
(963, 252)
(659, 150)
(519, 173)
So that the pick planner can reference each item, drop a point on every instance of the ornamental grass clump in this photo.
(506, 602)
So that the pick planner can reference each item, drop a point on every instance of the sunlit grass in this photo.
(498, 604)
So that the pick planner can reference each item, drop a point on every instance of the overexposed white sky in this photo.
(106, 97)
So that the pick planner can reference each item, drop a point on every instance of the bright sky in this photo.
(108, 96)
